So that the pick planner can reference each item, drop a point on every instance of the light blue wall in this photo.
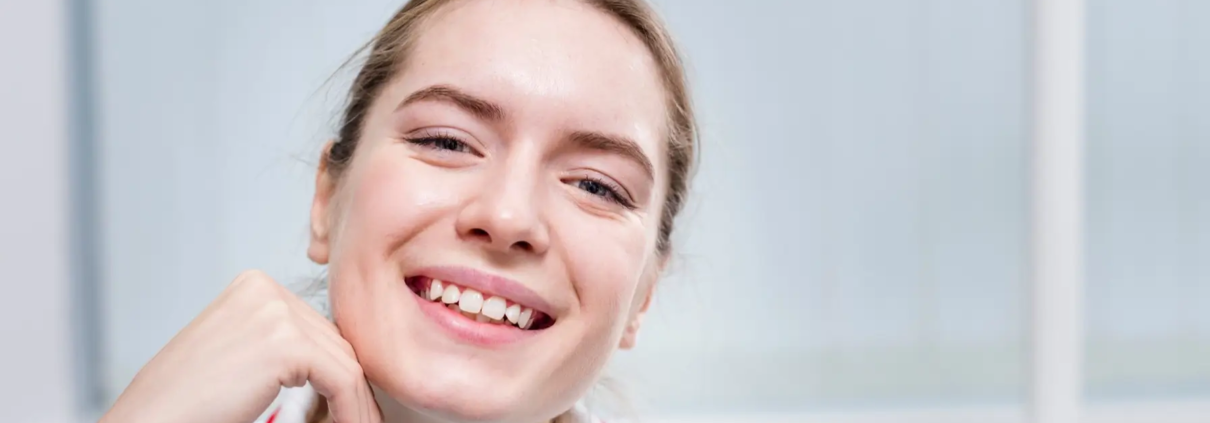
(1148, 198)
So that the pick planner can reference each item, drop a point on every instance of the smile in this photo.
(490, 304)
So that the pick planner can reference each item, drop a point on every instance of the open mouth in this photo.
(479, 306)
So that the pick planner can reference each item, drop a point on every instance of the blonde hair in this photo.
(388, 53)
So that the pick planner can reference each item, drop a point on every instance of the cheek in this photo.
(394, 193)
(392, 198)
(388, 202)
(607, 260)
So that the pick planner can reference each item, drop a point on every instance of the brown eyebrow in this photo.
(614, 144)
(482, 109)
(487, 110)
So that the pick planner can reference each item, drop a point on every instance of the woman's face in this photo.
(519, 155)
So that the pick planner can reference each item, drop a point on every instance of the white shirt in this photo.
(293, 404)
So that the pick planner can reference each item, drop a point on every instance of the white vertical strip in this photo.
(1057, 214)
(35, 360)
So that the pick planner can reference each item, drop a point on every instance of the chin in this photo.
(429, 373)
(457, 395)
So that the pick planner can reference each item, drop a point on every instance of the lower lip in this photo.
(470, 331)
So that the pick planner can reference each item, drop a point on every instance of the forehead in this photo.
(558, 64)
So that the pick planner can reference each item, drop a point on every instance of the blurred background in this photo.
(860, 245)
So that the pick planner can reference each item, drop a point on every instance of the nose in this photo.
(505, 216)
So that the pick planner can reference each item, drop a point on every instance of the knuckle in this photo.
(293, 364)
(286, 333)
(275, 315)
(275, 311)
(254, 281)
(249, 275)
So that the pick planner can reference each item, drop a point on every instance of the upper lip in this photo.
(488, 284)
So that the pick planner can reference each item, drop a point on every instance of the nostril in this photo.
(484, 236)
(480, 232)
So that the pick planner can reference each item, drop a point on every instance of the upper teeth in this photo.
(471, 302)
(512, 312)
(435, 291)
(494, 308)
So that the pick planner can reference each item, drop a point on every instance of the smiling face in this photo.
(493, 238)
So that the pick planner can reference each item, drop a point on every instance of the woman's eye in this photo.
(442, 143)
(604, 190)
(595, 188)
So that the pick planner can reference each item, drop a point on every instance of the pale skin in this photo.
(518, 194)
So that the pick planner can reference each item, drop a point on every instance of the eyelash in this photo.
(435, 142)
(612, 192)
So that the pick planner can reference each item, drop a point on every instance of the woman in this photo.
(494, 216)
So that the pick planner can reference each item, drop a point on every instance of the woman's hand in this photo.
(229, 364)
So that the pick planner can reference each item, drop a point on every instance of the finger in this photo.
(340, 380)
(321, 325)
(374, 412)
(324, 335)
